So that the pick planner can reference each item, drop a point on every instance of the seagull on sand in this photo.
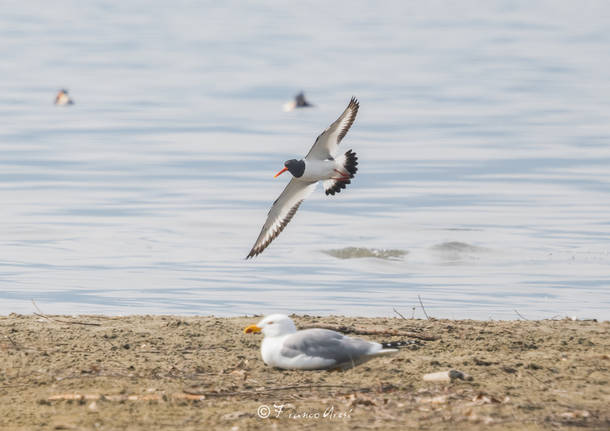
(298, 102)
(314, 349)
(320, 164)
(62, 98)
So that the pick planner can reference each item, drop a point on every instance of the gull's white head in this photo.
(273, 325)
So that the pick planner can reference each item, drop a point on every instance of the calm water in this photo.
(483, 138)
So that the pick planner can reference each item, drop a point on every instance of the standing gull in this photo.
(313, 349)
(320, 164)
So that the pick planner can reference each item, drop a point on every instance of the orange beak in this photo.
(252, 328)
(280, 172)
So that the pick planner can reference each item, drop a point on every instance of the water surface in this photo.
(483, 142)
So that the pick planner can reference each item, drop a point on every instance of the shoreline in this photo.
(194, 372)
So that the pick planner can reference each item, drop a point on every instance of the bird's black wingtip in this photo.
(399, 344)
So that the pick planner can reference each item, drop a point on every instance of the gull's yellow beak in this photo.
(252, 328)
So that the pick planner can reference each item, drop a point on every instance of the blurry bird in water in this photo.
(63, 99)
(298, 102)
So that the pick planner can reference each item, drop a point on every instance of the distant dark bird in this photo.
(320, 164)
(62, 98)
(298, 102)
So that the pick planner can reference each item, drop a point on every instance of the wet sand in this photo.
(196, 373)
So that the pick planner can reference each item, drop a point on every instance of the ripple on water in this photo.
(458, 247)
(360, 252)
(455, 251)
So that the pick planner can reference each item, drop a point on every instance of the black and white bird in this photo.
(320, 164)
(62, 98)
(298, 102)
(316, 348)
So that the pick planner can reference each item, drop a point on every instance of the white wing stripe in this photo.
(327, 144)
(280, 214)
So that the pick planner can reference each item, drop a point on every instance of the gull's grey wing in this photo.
(281, 212)
(326, 344)
(327, 144)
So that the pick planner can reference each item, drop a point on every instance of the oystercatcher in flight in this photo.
(320, 164)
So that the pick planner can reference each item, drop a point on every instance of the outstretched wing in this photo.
(281, 212)
(327, 144)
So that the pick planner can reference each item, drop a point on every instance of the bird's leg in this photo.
(344, 177)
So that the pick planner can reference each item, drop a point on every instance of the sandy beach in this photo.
(195, 373)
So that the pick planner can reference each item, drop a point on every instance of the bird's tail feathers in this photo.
(349, 166)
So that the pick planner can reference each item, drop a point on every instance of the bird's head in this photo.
(273, 326)
(294, 166)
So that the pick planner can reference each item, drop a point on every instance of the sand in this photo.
(199, 373)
